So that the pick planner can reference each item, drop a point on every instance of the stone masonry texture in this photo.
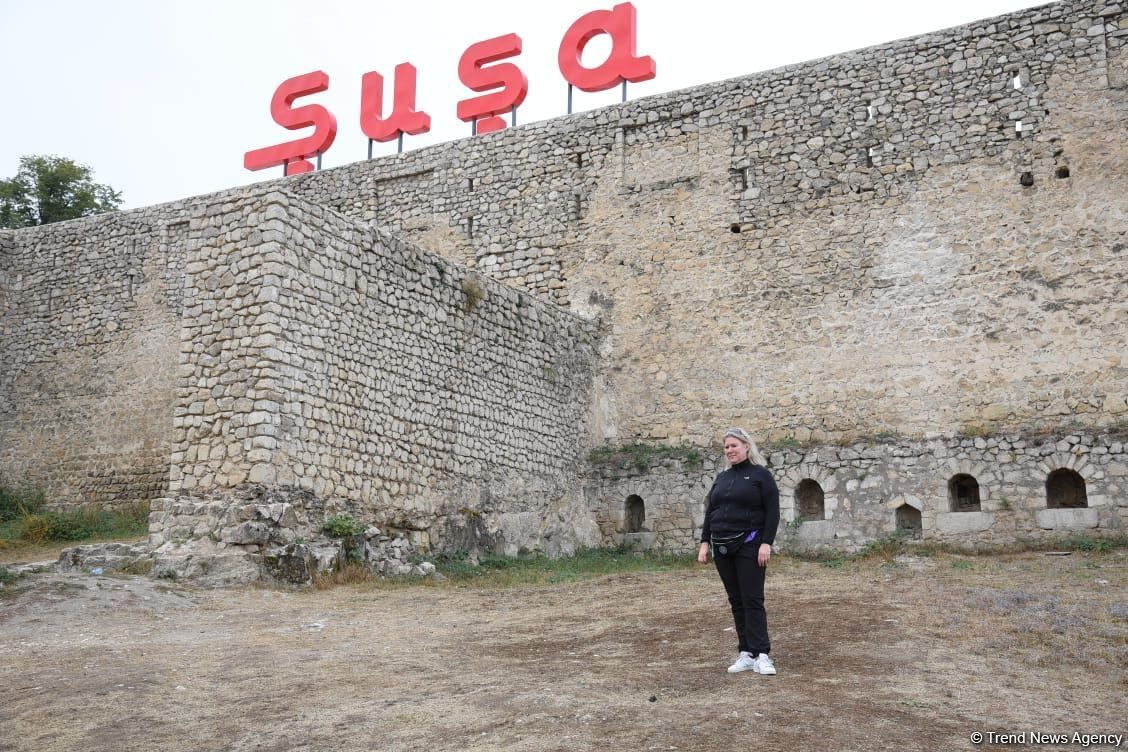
(898, 249)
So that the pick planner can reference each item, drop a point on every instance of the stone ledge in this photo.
(956, 523)
(1067, 519)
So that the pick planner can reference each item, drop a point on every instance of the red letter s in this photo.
(621, 64)
(510, 77)
(294, 154)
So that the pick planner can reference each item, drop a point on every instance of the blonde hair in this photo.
(742, 436)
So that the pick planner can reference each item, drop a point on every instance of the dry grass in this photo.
(1088, 629)
(1039, 610)
(350, 574)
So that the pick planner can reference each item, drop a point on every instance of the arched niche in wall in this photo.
(634, 514)
(810, 501)
(1065, 489)
(963, 493)
(908, 520)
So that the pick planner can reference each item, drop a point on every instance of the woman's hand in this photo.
(703, 553)
(764, 555)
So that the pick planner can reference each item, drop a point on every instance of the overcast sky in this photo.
(162, 99)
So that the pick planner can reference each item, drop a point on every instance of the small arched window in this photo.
(963, 493)
(634, 514)
(810, 499)
(1065, 489)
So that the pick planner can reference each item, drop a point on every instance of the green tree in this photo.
(51, 189)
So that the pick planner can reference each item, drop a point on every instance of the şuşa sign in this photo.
(505, 83)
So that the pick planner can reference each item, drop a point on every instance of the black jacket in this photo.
(743, 498)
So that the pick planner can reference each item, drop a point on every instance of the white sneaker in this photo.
(744, 663)
(763, 665)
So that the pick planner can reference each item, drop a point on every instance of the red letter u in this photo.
(403, 119)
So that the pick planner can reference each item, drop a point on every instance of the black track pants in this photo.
(744, 582)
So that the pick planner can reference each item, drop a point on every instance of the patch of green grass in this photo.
(73, 525)
(537, 569)
(642, 455)
(962, 564)
(10, 530)
(18, 500)
(1095, 544)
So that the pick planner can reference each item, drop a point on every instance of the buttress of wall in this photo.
(89, 313)
(328, 356)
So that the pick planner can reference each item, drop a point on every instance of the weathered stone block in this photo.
(1067, 519)
(247, 533)
(816, 531)
(963, 523)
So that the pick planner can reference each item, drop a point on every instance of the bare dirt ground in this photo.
(912, 656)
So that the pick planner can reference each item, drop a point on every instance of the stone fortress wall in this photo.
(826, 250)
(971, 492)
(323, 355)
(919, 241)
(924, 239)
(215, 353)
(90, 313)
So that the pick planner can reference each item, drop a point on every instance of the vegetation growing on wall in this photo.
(642, 455)
(342, 526)
(474, 293)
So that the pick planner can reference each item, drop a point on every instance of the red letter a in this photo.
(404, 118)
(621, 65)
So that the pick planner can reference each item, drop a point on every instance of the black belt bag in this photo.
(727, 545)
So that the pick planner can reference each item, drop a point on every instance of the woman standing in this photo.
(741, 517)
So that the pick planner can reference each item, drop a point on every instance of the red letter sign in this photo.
(621, 65)
(404, 118)
(509, 76)
(293, 154)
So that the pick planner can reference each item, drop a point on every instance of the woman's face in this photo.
(735, 450)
